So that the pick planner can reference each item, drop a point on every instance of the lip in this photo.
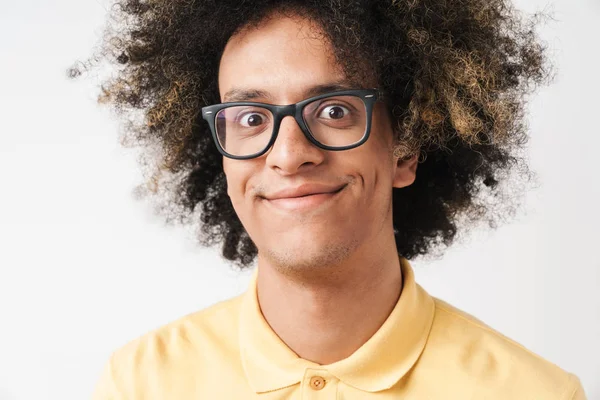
(303, 197)
(304, 190)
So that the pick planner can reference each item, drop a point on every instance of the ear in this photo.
(405, 171)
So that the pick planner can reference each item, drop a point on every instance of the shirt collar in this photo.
(377, 365)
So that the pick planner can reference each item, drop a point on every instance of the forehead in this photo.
(282, 56)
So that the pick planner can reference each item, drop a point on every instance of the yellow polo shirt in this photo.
(425, 350)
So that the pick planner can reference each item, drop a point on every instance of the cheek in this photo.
(382, 156)
(375, 167)
(237, 176)
(381, 125)
(232, 179)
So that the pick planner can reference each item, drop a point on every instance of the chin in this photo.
(293, 256)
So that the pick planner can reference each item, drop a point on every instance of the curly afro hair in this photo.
(456, 76)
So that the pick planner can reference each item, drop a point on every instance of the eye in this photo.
(334, 112)
(251, 119)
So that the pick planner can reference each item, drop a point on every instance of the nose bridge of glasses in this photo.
(284, 111)
(292, 110)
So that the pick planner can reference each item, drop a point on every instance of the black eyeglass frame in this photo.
(368, 96)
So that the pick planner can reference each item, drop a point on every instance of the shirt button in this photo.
(317, 382)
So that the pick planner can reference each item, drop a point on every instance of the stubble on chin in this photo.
(307, 264)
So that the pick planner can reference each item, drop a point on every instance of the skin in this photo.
(328, 275)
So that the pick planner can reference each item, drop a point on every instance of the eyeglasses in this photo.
(334, 121)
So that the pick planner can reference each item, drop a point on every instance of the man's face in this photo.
(283, 60)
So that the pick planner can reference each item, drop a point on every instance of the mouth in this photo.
(305, 202)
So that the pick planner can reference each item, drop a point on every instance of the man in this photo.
(320, 114)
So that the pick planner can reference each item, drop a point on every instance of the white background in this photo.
(85, 268)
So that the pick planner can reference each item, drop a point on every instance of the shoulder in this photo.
(215, 323)
(475, 352)
(198, 341)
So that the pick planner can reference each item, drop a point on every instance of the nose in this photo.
(292, 151)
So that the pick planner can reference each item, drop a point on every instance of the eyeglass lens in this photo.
(335, 121)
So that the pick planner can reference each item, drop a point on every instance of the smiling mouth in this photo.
(314, 194)
(305, 202)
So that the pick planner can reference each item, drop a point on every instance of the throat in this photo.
(325, 324)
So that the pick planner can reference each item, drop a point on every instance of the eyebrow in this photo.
(238, 94)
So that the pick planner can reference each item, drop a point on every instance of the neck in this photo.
(326, 318)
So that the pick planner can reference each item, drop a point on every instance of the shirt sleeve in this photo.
(576, 391)
(105, 388)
